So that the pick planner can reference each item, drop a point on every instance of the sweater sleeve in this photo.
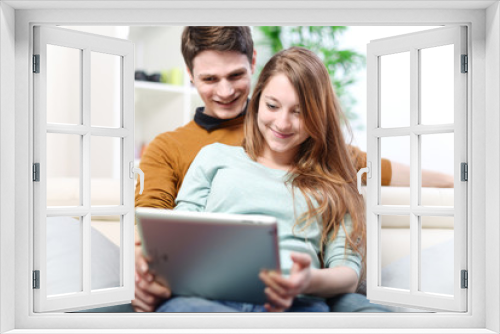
(337, 253)
(160, 167)
(197, 183)
(359, 159)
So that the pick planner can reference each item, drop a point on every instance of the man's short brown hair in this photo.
(198, 39)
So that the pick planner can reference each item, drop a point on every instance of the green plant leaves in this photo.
(324, 41)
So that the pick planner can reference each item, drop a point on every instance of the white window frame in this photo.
(412, 44)
(483, 20)
(86, 44)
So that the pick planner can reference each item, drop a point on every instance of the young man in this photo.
(220, 63)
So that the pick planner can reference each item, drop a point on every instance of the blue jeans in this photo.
(353, 302)
(349, 302)
(195, 304)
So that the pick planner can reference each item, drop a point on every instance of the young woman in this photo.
(294, 165)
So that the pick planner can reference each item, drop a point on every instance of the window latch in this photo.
(133, 170)
(368, 171)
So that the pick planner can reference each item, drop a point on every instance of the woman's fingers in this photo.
(273, 281)
(284, 286)
(278, 297)
(277, 301)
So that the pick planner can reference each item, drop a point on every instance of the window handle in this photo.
(137, 170)
(368, 172)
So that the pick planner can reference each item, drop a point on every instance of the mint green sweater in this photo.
(223, 178)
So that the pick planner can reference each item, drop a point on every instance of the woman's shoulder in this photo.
(218, 148)
(216, 156)
(218, 153)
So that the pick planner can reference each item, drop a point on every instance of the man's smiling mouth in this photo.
(228, 103)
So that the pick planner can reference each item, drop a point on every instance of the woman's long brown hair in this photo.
(323, 169)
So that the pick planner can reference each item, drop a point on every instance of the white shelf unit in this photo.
(160, 107)
(158, 86)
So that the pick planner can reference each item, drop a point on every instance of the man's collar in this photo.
(210, 123)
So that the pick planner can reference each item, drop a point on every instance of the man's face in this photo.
(223, 80)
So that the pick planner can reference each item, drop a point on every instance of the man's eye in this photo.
(236, 75)
(209, 79)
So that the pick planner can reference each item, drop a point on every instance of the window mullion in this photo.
(86, 172)
(82, 130)
(71, 129)
(81, 211)
(414, 172)
(127, 113)
(419, 211)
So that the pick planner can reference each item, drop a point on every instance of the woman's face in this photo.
(279, 119)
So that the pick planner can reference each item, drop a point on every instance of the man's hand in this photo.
(281, 291)
(148, 292)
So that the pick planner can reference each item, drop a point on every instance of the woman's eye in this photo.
(271, 106)
(296, 112)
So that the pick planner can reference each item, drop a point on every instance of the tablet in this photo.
(209, 255)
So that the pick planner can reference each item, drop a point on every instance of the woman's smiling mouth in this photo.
(281, 135)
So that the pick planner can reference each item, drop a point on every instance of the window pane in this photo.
(63, 85)
(63, 169)
(105, 90)
(105, 252)
(64, 255)
(395, 90)
(105, 170)
(437, 155)
(437, 254)
(397, 150)
(437, 85)
(395, 251)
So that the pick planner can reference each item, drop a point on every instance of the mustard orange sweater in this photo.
(167, 158)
